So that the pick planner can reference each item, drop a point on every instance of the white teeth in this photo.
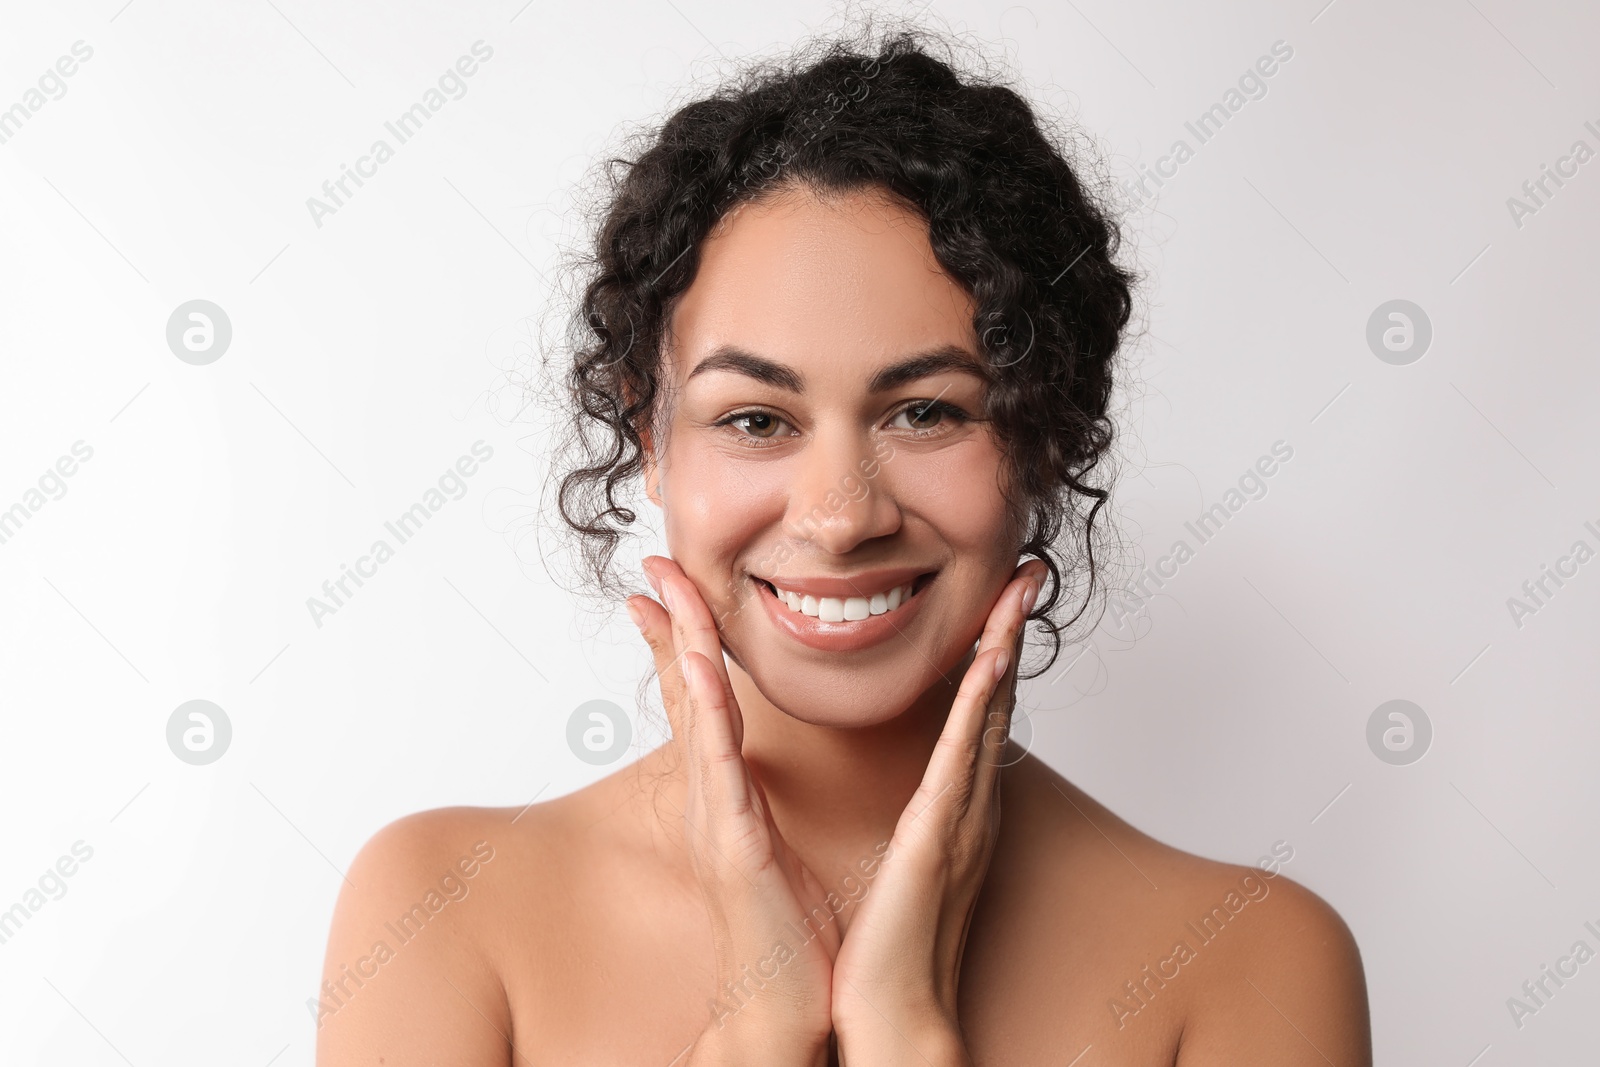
(845, 609)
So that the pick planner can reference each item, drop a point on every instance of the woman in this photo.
(852, 329)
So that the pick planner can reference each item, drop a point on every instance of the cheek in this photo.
(713, 509)
(957, 491)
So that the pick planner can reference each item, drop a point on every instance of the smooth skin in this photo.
(659, 916)
(889, 990)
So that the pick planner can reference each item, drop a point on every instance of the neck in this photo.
(837, 792)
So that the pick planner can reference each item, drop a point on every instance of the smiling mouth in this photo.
(849, 609)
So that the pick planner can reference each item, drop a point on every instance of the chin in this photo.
(860, 713)
(852, 697)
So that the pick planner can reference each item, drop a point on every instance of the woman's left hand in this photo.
(894, 979)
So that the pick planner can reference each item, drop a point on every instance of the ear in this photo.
(652, 471)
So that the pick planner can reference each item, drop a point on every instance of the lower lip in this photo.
(840, 636)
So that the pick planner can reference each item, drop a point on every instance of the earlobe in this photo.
(652, 472)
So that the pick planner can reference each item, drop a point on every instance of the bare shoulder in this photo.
(1290, 989)
(406, 935)
(1243, 962)
(434, 914)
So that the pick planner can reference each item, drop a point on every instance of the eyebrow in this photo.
(779, 375)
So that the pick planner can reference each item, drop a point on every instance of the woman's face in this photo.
(800, 453)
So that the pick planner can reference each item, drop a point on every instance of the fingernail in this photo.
(1029, 595)
(636, 615)
(666, 598)
(1000, 662)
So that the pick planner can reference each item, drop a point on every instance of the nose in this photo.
(840, 497)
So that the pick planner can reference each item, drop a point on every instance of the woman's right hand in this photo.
(775, 1004)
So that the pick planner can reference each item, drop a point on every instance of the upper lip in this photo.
(863, 584)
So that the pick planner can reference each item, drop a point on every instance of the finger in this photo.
(1002, 698)
(676, 678)
(695, 627)
(959, 755)
(655, 568)
(734, 823)
(696, 631)
(1000, 707)
(1001, 629)
(956, 756)
(720, 765)
(655, 626)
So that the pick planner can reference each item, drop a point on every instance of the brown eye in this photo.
(927, 416)
(760, 424)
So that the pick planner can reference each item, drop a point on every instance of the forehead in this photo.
(835, 285)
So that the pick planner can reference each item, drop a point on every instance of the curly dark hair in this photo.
(1007, 216)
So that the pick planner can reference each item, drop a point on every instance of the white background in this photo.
(372, 351)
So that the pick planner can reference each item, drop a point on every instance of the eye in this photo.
(927, 416)
(758, 428)
(755, 424)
